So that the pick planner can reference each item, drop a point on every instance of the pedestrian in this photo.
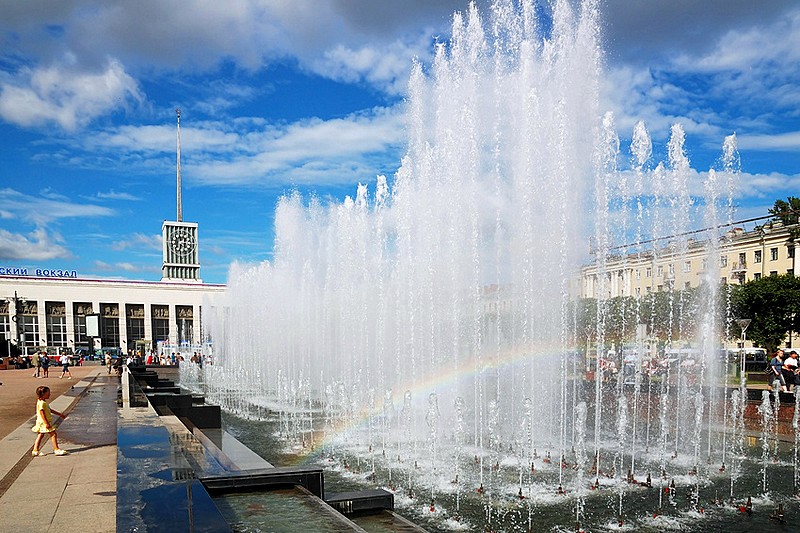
(108, 362)
(44, 423)
(776, 365)
(64, 360)
(789, 370)
(791, 362)
(45, 365)
(37, 363)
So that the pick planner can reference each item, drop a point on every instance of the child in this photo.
(44, 422)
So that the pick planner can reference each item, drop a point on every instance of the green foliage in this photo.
(788, 212)
(773, 304)
(667, 315)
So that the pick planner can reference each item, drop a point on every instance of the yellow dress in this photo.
(42, 423)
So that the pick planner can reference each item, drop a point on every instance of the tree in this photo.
(788, 211)
(772, 303)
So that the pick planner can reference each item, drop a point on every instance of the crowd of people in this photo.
(41, 362)
(784, 370)
(151, 358)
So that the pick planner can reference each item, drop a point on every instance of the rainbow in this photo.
(517, 356)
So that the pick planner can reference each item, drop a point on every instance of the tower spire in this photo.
(180, 207)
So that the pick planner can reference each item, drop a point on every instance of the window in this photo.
(135, 329)
(671, 269)
(28, 324)
(109, 325)
(109, 332)
(724, 280)
(773, 254)
(757, 275)
(648, 272)
(757, 256)
(56, 324)
(29, 331)
(773, 272)
(638, 291)
(57, 331)
(185, 325)
(5, 320)
(660, 270)
(160, 314)
(687, 285)
(134, 323)
(723, 260)
(5, 327)
(649, 290)
(705, 263)
(659, 288)
(79, 312)
(638, 274)
(790, 252)
(687, 266)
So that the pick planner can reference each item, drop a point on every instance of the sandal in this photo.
(61, 452)
(37, 453)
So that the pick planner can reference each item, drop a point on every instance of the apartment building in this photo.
(739, 256)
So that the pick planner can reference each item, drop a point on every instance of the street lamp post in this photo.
(18, 303)
(743, 323)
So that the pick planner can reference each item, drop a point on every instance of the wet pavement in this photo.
(72, 493)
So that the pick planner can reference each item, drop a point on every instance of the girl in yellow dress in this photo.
(44, 422)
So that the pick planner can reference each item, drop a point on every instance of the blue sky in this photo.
(308, 95)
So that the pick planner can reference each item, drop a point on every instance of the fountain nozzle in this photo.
(778, 514)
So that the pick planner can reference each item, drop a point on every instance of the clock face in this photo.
(182, 242)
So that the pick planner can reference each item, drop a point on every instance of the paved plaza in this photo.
(71, 493)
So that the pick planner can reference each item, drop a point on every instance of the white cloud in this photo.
(139, 241)
(648, 32)
(353, 41)
(42, 210)
(750, 48)
(248, 151)
(113, 195)
(36, 246)
(770, 186)
(318, 151)
(386, 67)
(66, 96)
(123, 266)
(789, 141)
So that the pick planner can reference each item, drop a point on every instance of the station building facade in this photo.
(43, 312)
(43, 309)
(50, 309)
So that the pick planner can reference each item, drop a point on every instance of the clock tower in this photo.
(181, 261)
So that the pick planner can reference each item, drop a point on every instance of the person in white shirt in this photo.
(790, 369)
(64, 360)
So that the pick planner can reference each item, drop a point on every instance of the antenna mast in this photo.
(180, 207)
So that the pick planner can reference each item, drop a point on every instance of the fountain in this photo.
(452, 289)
